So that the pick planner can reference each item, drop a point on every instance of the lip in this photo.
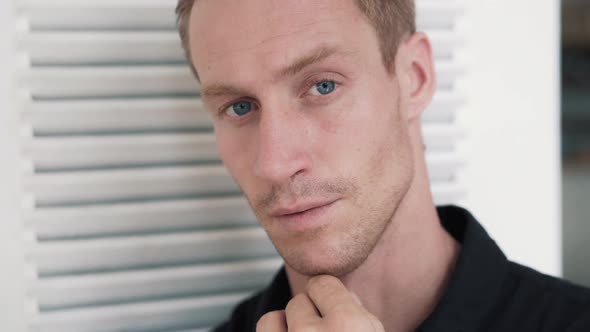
(304, 216)
(299, 208)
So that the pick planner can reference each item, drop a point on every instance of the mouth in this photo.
(303, 217)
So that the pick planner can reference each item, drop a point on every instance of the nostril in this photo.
(299, 172)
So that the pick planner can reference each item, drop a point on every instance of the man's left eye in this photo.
(322, 88)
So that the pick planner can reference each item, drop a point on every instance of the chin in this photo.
(330, 268)
(311, 259)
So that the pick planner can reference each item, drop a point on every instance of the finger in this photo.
(301, 311)
(357, 299)
(330, 296)
(273, 321)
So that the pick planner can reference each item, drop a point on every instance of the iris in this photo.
(325, 87)
(242, 108)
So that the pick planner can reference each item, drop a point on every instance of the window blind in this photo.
(132, 223)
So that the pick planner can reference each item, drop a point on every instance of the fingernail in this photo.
(357, 299)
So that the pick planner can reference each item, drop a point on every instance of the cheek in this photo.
(233, 152)
(376, 140)
(329, 126)
(366, 123)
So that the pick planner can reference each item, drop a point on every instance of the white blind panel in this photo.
(110, 116)
(132, 221)
(139, 217)
(88, 289)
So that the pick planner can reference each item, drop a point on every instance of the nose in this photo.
(283, 146)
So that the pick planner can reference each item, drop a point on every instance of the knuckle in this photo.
(262, 322)
(345, 325)
(344, 310)
(295, 302)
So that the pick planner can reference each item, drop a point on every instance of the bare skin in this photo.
(325, 143)
(321, 308)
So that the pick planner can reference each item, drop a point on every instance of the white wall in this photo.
(512, 119)
(11, 267)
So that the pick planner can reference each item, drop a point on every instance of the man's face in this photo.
(308, 121)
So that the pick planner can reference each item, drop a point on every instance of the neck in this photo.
(403, 278)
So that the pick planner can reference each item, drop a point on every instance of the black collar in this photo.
(472, 290)
(477, 279)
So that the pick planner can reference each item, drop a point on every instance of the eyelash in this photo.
(306, 88)
(222, 109)
(320, 79)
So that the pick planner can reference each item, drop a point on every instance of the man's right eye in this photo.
(239, 109)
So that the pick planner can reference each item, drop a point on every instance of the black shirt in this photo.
(486, 292)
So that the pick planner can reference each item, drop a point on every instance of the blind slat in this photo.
(127, 252)
(126, 286)
(96, 151)
(115, 115)
(117, 81)
(112, 185)
(145, 217)
(96, 47)
(143, 316)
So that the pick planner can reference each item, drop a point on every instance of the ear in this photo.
(415, 69)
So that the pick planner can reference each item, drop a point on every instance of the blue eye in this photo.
(323, 88)
(238, 109)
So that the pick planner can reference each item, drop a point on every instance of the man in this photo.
(316, 106)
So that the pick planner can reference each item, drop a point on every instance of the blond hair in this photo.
(391, 19)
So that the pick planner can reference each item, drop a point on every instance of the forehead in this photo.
(250, 37)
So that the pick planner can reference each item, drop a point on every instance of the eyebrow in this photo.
(305, 61)
(217, 90)
(317, 55)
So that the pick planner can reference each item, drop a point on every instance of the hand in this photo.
(325, 306)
